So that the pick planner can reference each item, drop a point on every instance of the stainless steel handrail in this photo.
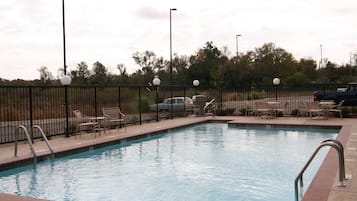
(339, 148)
(28, 140)
(338, 143)
(46, 140)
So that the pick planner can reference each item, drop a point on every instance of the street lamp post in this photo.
(237, 43)
(320, 56)
(276, 82)
(156, 81)
(195, 83)
(64, 39)
(65, 80)
(171, 9)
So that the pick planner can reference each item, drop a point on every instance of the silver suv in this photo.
(178, 104)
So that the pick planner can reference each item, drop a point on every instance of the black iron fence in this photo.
(46, 105)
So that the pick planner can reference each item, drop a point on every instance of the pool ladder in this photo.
(30, 141)
(342, 174)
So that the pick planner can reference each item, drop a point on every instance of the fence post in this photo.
(221, 105)
(119, 96)
(95, 102)
(66, 105)
(31, 112)
(140, 119)
(184, 100)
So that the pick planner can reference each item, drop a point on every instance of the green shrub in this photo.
(294, 112)
(346, 111)
(279, 114)
(243, 111)
(354, 110)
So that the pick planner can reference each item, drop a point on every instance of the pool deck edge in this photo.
(317, 191)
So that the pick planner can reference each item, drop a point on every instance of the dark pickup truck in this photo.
(348, 94)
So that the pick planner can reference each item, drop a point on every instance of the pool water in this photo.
(204, 162)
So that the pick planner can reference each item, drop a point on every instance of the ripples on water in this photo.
(203, 162)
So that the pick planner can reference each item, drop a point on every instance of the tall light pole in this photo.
(195, 84)
(66, 80)
(156, 81)
(171, 9)
(237, 43)
(320, 56)
(64, 39)
(276, 82)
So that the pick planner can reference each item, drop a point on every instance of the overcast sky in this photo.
(110, 31)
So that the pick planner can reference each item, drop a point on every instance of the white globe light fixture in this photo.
(66, 80)
(196, 83)
(156, 81)
(276, 81)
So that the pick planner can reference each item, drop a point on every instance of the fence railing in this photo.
(46, 105)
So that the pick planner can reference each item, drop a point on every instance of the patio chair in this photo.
(250, 109)
(282, 109)
(199, 101)
(113, 115)
(302, 110)
(337, 108)
(313, 108)
(84, 122)
(209, 107)
(263, 109)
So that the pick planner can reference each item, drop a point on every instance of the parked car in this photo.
(348, 94)
(178, 104)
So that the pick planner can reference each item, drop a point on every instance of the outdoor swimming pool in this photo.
(210, 161)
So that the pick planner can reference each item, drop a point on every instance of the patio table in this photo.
(101, 123)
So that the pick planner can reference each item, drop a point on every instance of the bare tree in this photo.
(45, 75)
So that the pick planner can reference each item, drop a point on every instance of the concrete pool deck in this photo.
(323, 190)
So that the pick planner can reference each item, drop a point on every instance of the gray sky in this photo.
(110, 31)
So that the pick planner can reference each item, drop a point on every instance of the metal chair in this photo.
(302, 109)
(263, 109)
(313, 108)
(282, 109)
(337, 108)
(113, 115)
(84, 122)
(199, 101)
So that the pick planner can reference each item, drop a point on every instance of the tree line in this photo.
(212, 67)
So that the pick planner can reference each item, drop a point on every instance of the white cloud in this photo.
(147, 12)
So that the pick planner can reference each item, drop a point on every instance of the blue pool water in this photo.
(203, 162)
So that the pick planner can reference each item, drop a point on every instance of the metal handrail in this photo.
(338, 143)
(46, 140)
(28, 139)
(339, 148)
